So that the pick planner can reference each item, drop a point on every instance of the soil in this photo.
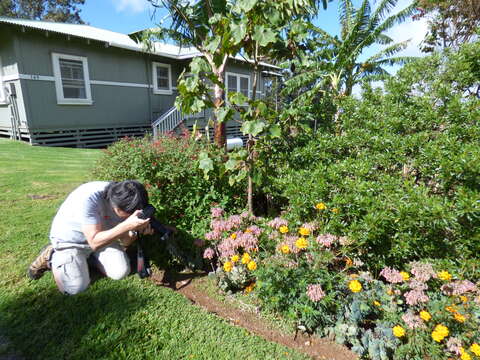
(316, 348)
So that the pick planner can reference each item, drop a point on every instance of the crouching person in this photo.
(96, 222)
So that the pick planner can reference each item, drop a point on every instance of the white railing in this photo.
(172, 118)
(167, 122)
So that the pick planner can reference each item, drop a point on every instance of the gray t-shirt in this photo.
(84, 206)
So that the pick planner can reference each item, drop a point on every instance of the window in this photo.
(238, 83)
(3, 95)
(72, 81)
(162, 78)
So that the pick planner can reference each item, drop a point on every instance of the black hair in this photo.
(128, 195)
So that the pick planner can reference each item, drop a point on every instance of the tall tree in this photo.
(360, 29)
(51, 10)
(451, 22)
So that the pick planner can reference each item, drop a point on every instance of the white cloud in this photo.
(413, 30)
(136, 6)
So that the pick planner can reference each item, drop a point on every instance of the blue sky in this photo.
(126, 16)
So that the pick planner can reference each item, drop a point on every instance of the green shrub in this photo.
(402, 168)
(168, 167)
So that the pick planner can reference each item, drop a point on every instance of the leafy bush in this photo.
(402, 167)
(168, 167)
(306, 275)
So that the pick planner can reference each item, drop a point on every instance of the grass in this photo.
(127, 319)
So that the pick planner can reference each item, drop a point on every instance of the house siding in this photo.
(113, 105)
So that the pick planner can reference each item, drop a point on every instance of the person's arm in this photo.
(97, 238)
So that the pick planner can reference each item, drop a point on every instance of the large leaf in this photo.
(237, 98)
(253, 127)
(239, 30)
(205, 163)
(263, 36)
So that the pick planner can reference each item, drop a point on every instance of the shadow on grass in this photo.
(49, 325)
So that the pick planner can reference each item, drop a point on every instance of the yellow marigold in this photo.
(246, 258)
(252, 265)
(459, 317)
(335, 210)
(233, 236)
(320, 206)
(376, 303)
(285, 249)
(390, 292)
(304, 231)
(228, 266)
(235, 258)
(248, 231)
(465, 356)
(355, 286)
(441, 330)
(348, 261)
(405, 275)
(283, 229)
(475, 348)
(425, 315)
(398, 331)
(437, 337)
(301, 243)
(451, 309)
(444, 275)
(250, 288)
(463, 298)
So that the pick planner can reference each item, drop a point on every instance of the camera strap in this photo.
(143, 264)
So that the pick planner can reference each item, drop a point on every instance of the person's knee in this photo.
(76, 288)
(118, 272)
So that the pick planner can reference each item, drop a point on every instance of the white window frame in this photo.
(156, 90)
(238, 76)
(3, 94)
(61, 100)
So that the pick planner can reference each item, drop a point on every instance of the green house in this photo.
(77, 85)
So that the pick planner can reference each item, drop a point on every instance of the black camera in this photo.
(148, 213)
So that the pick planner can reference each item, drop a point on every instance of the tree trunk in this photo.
(220, 134)
(250, 144)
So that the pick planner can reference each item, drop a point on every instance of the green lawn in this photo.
(127, 319)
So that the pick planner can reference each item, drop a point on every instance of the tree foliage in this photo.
(52, 10)
(333, 63)
(451, 22)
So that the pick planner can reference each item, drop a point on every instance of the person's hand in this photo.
(133, 222)
(147, 230)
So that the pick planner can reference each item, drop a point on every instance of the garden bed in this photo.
(193, 287)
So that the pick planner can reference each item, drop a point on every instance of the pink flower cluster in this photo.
(423, 272)
(246, 241)
(391, 275)
(310, 226)
(326, 240)
(209, 253)
(315, 292)
(277, 222)
(413, 321)
(216, 212)
(454, 345)
(416, 296)
(290, 241)
(231, 223)
(459, 287)
(254, 229)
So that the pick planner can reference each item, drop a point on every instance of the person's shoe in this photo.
(41, 264)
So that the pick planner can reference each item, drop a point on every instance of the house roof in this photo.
(111, 38)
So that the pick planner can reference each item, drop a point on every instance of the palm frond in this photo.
(388, 51)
